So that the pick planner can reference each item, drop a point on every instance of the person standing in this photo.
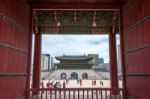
(102, 83)
(56, 85)
(64, 84)
(59, 84)
(80, 82)
(48, 84)
(42, 86)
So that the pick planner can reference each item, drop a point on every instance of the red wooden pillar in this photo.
(37, 60)
(113, 63)
(122, 51)
(29, 55)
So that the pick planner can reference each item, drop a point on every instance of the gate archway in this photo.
(74, 75)
(63, 75)
(84, 76)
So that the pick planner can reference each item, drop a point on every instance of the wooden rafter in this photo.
(114, 22)
(35, 26)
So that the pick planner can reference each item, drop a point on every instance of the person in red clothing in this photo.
(92, 83)
(80, 82)
(48, 84)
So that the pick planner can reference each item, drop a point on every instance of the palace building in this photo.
(74, 62)
(74, 67)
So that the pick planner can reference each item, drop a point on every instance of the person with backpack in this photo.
(56, 85)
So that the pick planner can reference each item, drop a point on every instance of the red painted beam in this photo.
(109, 5)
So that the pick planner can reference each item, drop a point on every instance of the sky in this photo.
(58, 45)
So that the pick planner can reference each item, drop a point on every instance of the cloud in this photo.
(57, 45)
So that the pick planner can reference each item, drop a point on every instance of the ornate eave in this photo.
(75, 65)
(75, 58)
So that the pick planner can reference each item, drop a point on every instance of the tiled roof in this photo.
(73, 57)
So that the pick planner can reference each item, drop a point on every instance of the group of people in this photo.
(57, 84)
(94, 82)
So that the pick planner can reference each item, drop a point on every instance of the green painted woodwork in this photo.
(82, 23)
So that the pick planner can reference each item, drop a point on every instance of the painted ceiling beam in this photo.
(101, 5)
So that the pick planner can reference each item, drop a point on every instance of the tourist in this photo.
(94, 82)
(80, 82)
(42, 86)
(59, 84)
(64, 84)
(48, 84)
(102, 83)
(56, 85)
(52, 83)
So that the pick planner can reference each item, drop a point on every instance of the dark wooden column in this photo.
(113, 62)
(37, 60)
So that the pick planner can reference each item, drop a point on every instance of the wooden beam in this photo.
(35, 23)
(102, 5)
(114, 22)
